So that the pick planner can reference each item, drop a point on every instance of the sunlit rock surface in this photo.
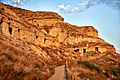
(33, 44)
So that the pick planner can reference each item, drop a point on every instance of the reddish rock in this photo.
(32, 44)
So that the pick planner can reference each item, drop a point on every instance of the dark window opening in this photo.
(2, 9)
(0, 25)
(84, 50)
(1, 21)
(36, 36)
(96, 49)
(10, 30)
(18, 30)
(0, 28)
(37, 24)
(45, 40)
(85, 30)
(77, 50)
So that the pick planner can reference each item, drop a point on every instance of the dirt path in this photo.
(59, 74)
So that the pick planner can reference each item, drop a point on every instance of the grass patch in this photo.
(118, 78)
(114, 72)
(106, 74)
(89, 65)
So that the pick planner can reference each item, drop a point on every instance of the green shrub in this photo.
(79, 62)
(36, 78)
(118, 78)
(106, 75)
(89, 65)
(114, 72)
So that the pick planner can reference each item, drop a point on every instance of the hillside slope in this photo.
(33, 44)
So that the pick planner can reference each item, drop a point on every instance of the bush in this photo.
(90, 65)
(114, 72)
(118, 78)
(106, 74)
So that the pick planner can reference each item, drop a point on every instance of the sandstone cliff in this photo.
(34, 43)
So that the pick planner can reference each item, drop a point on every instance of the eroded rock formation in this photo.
(34, 43)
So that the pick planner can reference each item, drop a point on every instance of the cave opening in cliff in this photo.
(2, 9)
(37, 24)
(96, 49)
(0, 28)
(1, 21)
(18, 30)
(45, 40)
(84, 50)
(76, 50)
(36, 36)
(0, 24)
(10, 30)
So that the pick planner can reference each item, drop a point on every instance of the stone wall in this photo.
(89, 30)
(57, 36)
(49, 29)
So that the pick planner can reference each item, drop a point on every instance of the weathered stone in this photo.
(32, 44)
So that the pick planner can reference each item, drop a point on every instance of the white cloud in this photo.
(112, 3)
(62, 6)
(79, 8)
(20, 2)
(87, 4)
(67, 8)
(118, 50)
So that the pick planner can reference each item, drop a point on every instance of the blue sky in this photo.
(104, 15)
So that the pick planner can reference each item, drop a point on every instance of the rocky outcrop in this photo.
(34, 43)
(98, 67)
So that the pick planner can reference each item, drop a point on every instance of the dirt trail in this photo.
(59, 74)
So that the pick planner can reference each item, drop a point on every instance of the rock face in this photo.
(34, 43)
(98, 67)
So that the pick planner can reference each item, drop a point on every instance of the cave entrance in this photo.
(84, 50)
(1, 21)
(0, 27)
(10, 30)
(45, 40)
(76, 50)
(18, 30)
(96, 49)
(36, 36)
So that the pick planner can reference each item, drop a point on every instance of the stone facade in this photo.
(49, 29)
(32, 44)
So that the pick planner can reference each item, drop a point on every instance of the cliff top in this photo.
(33, 44)
(32, 14)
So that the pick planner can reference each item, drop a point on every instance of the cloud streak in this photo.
(68, 8)
(118, 50)
(87, 4)
(79, 8)
(112, 3)
(15, 2)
